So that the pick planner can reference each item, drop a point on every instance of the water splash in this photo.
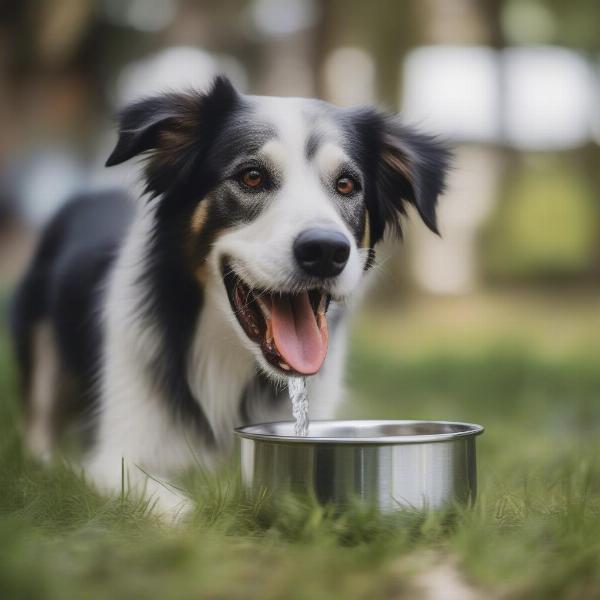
(299, 397)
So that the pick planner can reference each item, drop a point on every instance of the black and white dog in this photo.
(182, 317)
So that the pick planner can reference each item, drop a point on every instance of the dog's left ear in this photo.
(411, 168)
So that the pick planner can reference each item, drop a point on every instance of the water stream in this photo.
(299, 397)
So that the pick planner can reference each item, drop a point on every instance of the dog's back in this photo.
(56, 310)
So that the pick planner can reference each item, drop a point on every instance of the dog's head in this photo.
(279, 203)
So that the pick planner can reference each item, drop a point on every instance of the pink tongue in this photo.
(298, 338)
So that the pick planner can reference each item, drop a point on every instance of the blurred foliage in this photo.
(546, 224)
(570, 23)
(576, 22)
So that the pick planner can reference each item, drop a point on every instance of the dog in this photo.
(166, 323)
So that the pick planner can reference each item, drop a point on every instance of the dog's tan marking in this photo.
(366, 238)
(41, 426)
(197, 223)
(177, 135)
(200, 216)
(171, 140)
(201, 273)
(397, 162)
(201, 266)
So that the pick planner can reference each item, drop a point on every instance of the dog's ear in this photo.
(411, 168)
(168, 124)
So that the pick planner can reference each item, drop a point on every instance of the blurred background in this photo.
(514, 85)
(497, 321)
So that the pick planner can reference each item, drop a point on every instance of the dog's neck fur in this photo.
(219, 366)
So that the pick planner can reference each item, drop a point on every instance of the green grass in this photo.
(534, 533)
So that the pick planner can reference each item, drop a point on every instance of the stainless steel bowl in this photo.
(388, 465)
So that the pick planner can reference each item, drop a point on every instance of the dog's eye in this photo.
(345, 185)
(253, 179)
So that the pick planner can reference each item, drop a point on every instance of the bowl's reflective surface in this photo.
(386, 464)
(363, 432)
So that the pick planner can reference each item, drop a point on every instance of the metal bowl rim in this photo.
(472, 430)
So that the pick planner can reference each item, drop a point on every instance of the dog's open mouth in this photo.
(290, 328)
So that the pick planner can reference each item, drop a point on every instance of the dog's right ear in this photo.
(170, 122)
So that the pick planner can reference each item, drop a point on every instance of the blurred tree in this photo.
(547, 227)
(579, 28)
(386, 31)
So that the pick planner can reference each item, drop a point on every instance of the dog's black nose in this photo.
(322, 252)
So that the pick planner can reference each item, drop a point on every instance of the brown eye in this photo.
(344, 185)
(253, 178)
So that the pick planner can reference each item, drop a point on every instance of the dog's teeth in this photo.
(284, 366)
